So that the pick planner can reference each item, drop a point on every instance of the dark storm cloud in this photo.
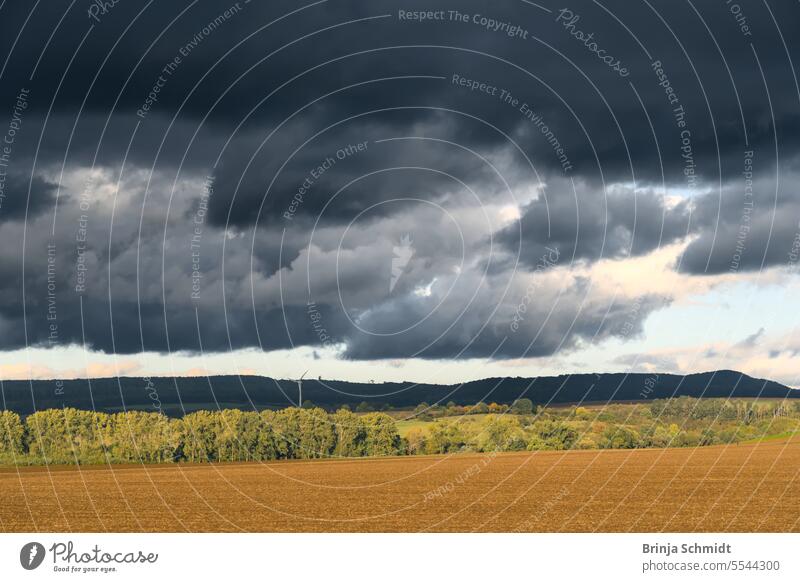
(751, 224)
(335, 179)
(159, 97)
(102, 281)
(588, 224)
(574, 319)
(20, 194)
(594, 112)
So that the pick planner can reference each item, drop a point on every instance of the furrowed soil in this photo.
(754, 487)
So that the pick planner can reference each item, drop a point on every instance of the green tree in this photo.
(416, 441)
(364, 407)
(317, 437)
(351, 434)
(620, 437)
(235, 434)
(67, 435)
(445, 437)
(198, 436)
(143, 437)
(267, 444)
(522, 406)
(12, 434)
(421, 411)
(286, 424)
(553, 435)
(655, 436)
(501, 433)
(480, 408)
(382, 436)
(708, 437)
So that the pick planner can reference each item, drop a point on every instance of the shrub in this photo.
(502, 433)
(416, 441)
(445, 437)
(364, 407)
(552, 435)
(522, 406)
(620, 437)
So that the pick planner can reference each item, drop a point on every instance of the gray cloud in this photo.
(586, 224)
(746, 228)
(22, 195)
(340, 74)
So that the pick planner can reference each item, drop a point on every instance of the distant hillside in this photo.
(174, 395)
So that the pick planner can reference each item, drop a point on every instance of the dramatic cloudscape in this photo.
(396, 190)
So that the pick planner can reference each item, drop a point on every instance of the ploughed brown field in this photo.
(753, 487)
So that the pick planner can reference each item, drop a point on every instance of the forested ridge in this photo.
(176, 396)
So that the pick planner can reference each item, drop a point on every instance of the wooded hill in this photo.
(175, 396)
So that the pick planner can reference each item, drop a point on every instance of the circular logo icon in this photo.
(31, 555)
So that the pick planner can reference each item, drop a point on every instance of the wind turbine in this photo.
(300, 389)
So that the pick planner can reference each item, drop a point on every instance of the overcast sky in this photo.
(369, 191)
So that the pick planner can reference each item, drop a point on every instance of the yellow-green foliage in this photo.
(12, 434)
(382, 437)
(681, 422)
(79, 436)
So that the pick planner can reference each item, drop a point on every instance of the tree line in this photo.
(70, 435)
(723, 409)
